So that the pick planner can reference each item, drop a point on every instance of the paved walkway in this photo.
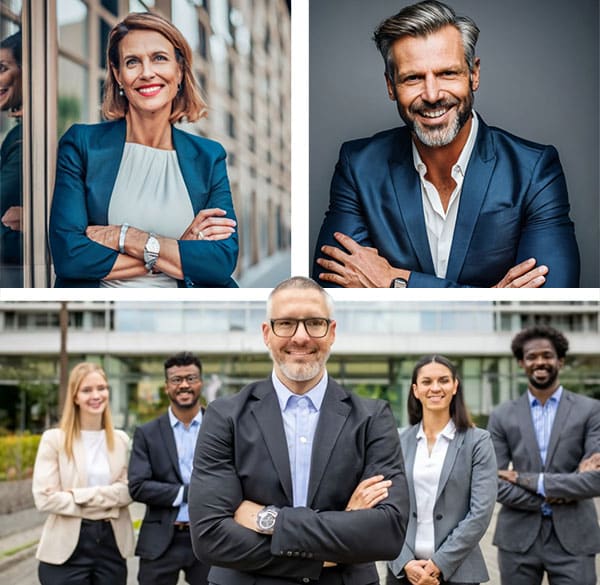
(20, 532)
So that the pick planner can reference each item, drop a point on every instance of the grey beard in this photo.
(301, 372)
(438, 137)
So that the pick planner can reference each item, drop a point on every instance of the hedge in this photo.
(17, 455)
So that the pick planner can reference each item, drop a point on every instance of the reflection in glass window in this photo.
(11, 154)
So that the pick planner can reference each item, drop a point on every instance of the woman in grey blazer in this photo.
(451, 473)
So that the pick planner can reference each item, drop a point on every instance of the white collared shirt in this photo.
(426, 478)
(440, 224)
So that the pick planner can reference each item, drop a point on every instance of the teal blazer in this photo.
(513, 206)
(89, 157)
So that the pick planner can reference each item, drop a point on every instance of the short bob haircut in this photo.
(70, 422)
(458, 409)
(187, 104)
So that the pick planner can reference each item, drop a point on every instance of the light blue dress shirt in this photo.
(185, 441)
(300, 415)
(543, 418)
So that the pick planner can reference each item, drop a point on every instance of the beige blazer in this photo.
(60, 487)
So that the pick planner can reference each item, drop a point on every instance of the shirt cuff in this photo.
(540, 485)
(179, 499)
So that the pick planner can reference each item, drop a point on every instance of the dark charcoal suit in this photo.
(242, 454)
(155, 480)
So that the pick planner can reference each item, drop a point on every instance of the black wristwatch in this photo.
(399, 283)
(265, 519)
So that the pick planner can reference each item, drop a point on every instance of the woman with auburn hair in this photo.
(451, 472)
(138, 202)
(80, 478)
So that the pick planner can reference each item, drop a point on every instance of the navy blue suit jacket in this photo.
(89, 157)
(514, 206)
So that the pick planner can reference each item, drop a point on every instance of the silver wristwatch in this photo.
(151, 252)
(399, 283)
(265, 519)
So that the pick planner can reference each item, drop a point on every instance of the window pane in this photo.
(72, 26)
(72, 94)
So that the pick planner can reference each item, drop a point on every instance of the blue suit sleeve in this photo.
(75, 255)
(211, 262)
(548, 234)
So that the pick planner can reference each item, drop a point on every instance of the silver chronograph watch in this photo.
(265, 519)
(151, 252)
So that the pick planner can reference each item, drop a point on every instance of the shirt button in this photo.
(439, 517)
(303, 439)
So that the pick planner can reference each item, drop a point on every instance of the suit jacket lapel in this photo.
(562, 415)
(408, 440)
(453, 449)
(407, 186)
(168, 438)
(525, 423)
(474, 191)
(268, 416)
(104, 161)
(193, 169)
(333, 415)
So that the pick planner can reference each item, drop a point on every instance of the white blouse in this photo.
(150, 194)
(426, 478)
(96, 458)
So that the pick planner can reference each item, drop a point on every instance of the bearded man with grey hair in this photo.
(446, 200)
(297, 480)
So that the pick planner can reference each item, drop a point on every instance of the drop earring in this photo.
(121, 92)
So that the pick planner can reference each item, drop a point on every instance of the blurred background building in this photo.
(376, 347)
(242, 61)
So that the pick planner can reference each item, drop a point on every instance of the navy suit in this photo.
(89, 157)
(514, 205)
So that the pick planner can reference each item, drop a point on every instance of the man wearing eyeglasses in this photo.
(159, 475)
(297, 480)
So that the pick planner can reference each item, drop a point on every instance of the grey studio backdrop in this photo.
(539, 80)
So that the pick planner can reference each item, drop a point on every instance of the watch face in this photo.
(152, 245)
(266, 519)
(399, 283)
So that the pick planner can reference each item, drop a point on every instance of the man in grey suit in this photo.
(272, 496)
(548, 520)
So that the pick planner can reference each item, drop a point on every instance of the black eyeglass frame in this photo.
(196, 379)
(303, 321)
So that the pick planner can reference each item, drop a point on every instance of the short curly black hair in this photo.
(183, 358)
(556, 338)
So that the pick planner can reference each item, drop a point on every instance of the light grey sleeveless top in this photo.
(150, 194)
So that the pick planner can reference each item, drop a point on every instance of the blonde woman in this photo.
(80, 478)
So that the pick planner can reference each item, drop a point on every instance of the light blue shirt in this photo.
(300, 415)
(185, 441)
(543, 418)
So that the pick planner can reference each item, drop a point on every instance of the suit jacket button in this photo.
(414, 514)
(439, 517)
(305, 580)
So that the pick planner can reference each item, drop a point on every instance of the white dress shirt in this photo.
(440, 224)
(426, 478)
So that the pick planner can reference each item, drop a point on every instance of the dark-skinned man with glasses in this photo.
(160, 468)
(297, 480)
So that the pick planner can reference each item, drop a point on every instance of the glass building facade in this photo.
(376, 347)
